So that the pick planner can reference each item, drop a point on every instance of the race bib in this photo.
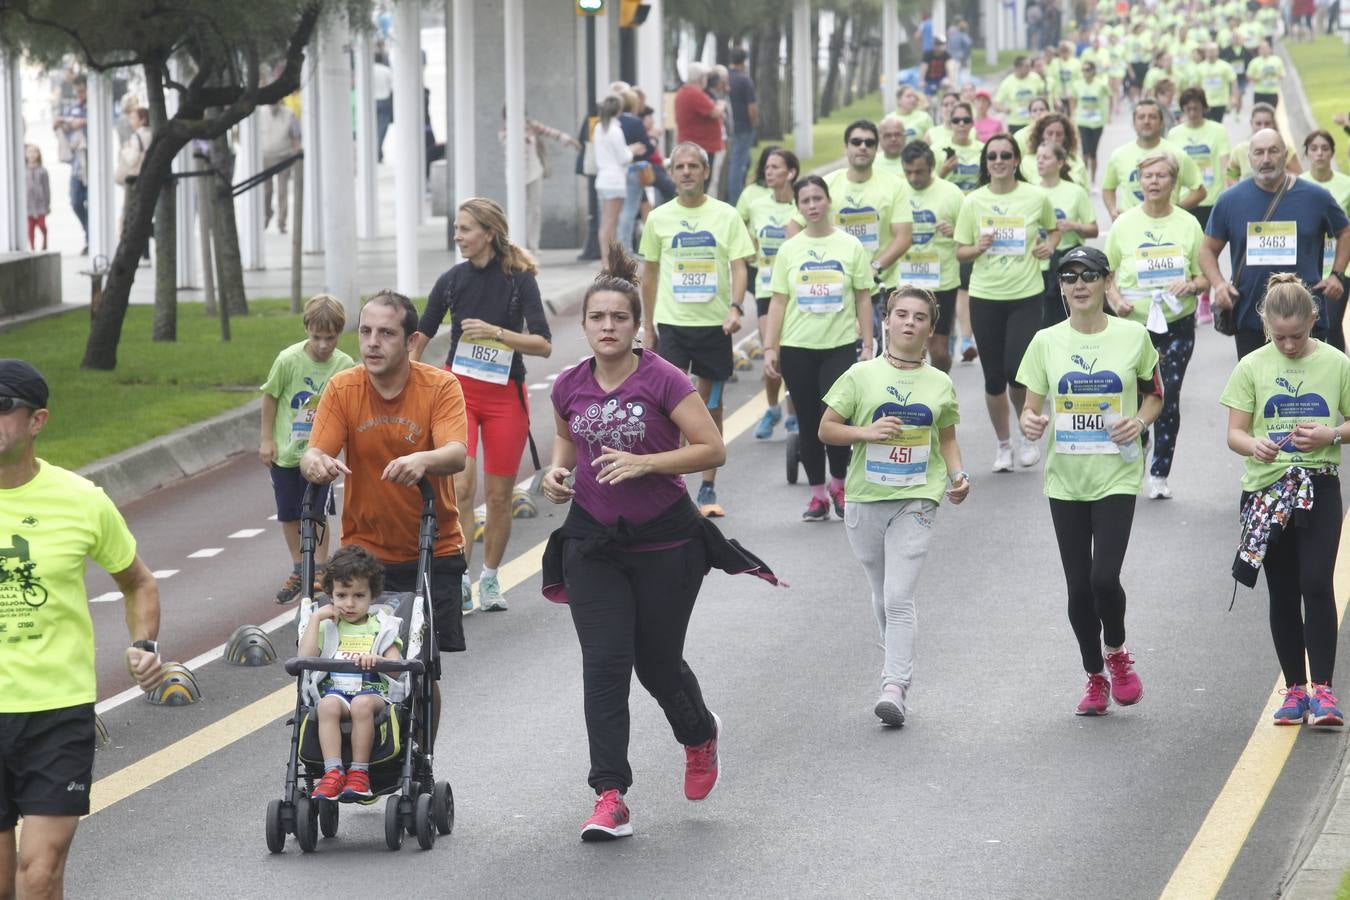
(351, 647)
(1010, 235)
(695, 280)
(1272, 243)
(1157, 267)
(863, 224)
(902, 461)
(1213, 84)
(1080, 423)
(820, 290)
(482, 360)
(920, 268)
(303, 424)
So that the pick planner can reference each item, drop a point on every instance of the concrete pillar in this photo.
(185, 200)
(249, 208)
(338, 169)
(466, 172)
(102, 153)
(310, 133)
(890, 54)
(408, 130)
(366, 154)
(652, 60)
(990, 28)
(604, 73)
(513, 47)
(940, 18)
(13, 178)
(803, 78)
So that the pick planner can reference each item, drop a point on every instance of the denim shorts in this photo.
(604, 194)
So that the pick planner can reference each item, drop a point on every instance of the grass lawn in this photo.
(1343, 892)
(157, 387)
(1322, 65)
(981, 69)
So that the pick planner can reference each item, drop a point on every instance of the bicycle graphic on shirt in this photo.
(30, 588)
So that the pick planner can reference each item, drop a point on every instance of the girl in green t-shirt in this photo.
(1094, 368)
(822, 302)
(898, 415)
(1075, 219)
(1285, 402)
(767, 218)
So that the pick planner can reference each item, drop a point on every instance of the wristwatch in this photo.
(1336, 437)
(954, 478)
(500, 330)
(148, 646)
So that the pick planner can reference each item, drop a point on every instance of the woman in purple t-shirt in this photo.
(630, 425)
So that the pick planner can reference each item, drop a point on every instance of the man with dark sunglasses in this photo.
(50, 520)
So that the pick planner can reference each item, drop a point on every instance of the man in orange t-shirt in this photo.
(398, 420)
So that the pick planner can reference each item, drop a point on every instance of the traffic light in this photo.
(632, 13)
(590, 7)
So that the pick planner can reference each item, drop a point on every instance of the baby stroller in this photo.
(400, 768)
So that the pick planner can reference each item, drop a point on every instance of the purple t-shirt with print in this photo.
(636, 419)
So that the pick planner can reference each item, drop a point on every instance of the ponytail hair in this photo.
(1286, 298)
(620, 276)
(492, 218)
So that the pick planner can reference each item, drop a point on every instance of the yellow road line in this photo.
(1207, 861)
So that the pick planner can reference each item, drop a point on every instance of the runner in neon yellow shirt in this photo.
(1016, 91)
(1205, 142)
(1240, 161)
(1061, 74)
(1075, 219)
(1053, 128)
(1218, 80)
(1092, 103)
(891, 130)
(931, 261)
(1121, 168)
(911, 112)
(52, 520)
(1320, 148)
(959, 158)
(1266, 73)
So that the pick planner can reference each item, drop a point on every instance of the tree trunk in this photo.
(830, 89)
(225, 231)
(764, 55)
(165, 225)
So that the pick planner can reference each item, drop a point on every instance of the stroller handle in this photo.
(298, 664)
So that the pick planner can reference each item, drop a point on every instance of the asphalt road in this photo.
(992, 789)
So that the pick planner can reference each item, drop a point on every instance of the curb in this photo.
(1295, 101)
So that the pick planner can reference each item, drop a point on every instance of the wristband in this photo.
(499, 333)
(1143, 426)
(958, 476)
(739, 309)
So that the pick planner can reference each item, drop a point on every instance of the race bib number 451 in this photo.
(901, 462)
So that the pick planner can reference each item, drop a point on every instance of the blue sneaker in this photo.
(1323, 708)
(707, 503)
(772, 416)
(790, 426)
(1295, 708)
(466, 591)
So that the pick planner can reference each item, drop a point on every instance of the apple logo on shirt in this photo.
(1292, 406)
(1088, 381)
(912, 414)
(924, 219)
(692, 237)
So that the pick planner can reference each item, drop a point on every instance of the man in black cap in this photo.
(50, 520)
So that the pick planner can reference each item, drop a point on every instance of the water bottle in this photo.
(1128, 451)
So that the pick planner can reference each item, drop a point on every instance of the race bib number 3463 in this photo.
(1272, 243)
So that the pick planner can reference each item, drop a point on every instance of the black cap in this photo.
(1089, 257)
(19, 379)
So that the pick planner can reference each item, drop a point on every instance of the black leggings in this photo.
(1003, 331)
(631, 611)
(1299, 569)
(1092, 539)
(809, 375)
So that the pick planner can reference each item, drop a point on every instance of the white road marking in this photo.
(109, 597)
(550, 377)
(248, 532)
(272, 518)
(539, 387)
(164, 573)
(206, 553)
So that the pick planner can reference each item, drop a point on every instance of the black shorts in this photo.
(288, 486)
(1272, 99)
(966, 269)
(762, 306)
(446, 598)
(946, 311)
(46, 763)
(703, 349)
(1201, 214)
(1137, 72)
(1089, 138)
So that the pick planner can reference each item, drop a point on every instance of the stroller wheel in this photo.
(426, 822)
(328, 817)
(306, 824)
(393, 826)
(276, 831)
(443, 805)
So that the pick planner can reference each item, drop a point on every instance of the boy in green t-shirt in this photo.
(290, 399)
(353, 579)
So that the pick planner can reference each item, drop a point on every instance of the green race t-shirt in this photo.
(296, 381)
(1120, 172)
(1061, 74)
(931, 259)
(695, 247)
(1339, 186)
(1265, 74)
(768, 221)
(938, 136)
(47, 529)
(1089, 379)
(1206, 146)
(868, 209)
(1007, 270)
(819, 276)
(1216, 80)
(966, 175)
(355, 639)
(749, 195)
(1071, 203)
(1094, 102)
(1077, 169)
(1280, 393)
(917, 124)
(884, 163)
(909, 466)
(1015, 95)
(1148, 254)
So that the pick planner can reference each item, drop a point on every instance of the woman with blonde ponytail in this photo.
(497, 318)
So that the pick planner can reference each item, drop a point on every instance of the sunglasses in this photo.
(1089, 277)
(962, 120)
(7, 404)
(863, 142)
(1003, 155)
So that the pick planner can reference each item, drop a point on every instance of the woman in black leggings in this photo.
(822, 279)
(1283, 400)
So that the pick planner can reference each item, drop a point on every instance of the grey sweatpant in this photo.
(890, 539)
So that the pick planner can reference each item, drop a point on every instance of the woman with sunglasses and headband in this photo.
(960, 164)
(1094, 369)
(999, 232)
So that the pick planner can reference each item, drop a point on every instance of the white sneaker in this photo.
(490, 596)
(1158, 489)
(1003, 458)
(1028, 453)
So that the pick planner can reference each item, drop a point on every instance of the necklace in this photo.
(900, 359)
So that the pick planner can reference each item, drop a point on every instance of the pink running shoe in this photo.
(1126, 688)
(1295, 708)
(701, 768)
(610, 819)
(1096, 697)
(1323, 709)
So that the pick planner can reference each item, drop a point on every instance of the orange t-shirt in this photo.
(379, 515)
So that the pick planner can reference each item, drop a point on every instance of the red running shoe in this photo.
(358, 786)
(610, 819)
(701, 767)
(1096, 697)
(837, 499)
(1126, 688)
(330, 785)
